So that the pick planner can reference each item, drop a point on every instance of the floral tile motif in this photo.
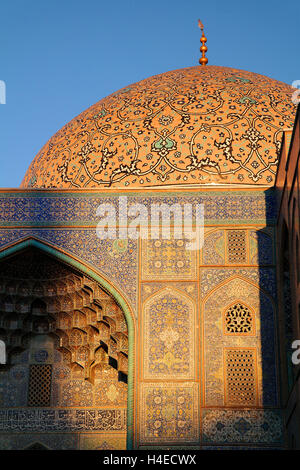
(110, 393)
(54, 441)
(214, 248)
(76, 393)
(169, 319)
(13, 386)
(242, 426)
(167, 259)
(105, 441)
(190, 288)
(189, 126)
(265, 278)
(80, 209)
(169, 413)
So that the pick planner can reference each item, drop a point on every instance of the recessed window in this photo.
(236, 246)
(39, 392)
(240, 372)
(238, 320)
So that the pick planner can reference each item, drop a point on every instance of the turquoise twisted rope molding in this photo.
(32, 243)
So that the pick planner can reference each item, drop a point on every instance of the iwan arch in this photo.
(143, 343)
(50, 315)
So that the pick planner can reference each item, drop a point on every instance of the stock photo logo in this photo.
(2, 92)
(296, 94)
(2, 352)
(185, 221)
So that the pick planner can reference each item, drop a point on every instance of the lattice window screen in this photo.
(236, 246)
(238, 319)
(39, 392)
(240, 366)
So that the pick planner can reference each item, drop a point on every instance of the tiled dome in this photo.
(199, 125)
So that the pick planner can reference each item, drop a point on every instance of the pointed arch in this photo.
(242, 278)
(168, 288)
(31, 242)
(230, 291)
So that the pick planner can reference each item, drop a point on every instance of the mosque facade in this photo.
(141, 342)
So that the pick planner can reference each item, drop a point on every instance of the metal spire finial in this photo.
(203, 60)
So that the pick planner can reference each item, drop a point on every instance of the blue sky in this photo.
(58, 57)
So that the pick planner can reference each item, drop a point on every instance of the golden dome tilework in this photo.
(198, 125)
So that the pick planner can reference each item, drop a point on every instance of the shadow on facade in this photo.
(269, 317)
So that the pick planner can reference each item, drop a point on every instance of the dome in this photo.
(199, 125)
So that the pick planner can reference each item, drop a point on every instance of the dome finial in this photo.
(203, 60)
